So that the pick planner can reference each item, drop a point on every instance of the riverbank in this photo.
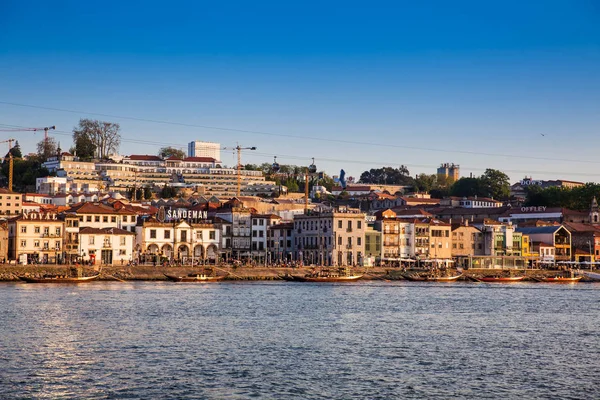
(9, 273)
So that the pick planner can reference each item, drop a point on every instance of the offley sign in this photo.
(533, 209)
(170, 214)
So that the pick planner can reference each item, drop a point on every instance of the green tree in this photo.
(495, 184)
(166, 152)
(147, 192)
(84, 146)
(466, 187)
(16, 150)
(425, 182)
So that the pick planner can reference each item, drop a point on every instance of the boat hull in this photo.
(194, 278)
(560, 279)
(495, 279)
(418, 278)
(59, 279)
(350, 278)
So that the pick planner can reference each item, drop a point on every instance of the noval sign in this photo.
(171, 214)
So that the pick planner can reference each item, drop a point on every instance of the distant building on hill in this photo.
(447, 170)
(204, 149)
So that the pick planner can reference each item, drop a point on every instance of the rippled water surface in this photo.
(375, 340)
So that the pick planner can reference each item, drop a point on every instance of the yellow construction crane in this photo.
(9, 141)
(239, 164)
(10, 162)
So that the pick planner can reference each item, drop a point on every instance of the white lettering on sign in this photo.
(40, 216)
(533, 209)
(171, 214)
(528, 182)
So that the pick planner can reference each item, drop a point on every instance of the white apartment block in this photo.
(204, 149)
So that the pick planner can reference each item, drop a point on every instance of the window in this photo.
(105, 219)
(261, 222)
(97, 218)
(254, 222)
(359, 225)
(254, 233)
(91, 240)
(46, 231)
(124, 218)
(36, 229)
(36, 243)
(167, 234)
(358, 241)
(183, 236)
(340, 239)
(123, 240)
(122, 252)
(260, 234)
(212, 235)
(23, 243)
(339, 224)
(89, 218)
(46, 245)
(113, 219)
(23, 229)
(57, 245)
(57, 231)
(152, 233)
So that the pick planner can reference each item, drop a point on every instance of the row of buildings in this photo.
(275, 231)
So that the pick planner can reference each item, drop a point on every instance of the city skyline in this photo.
(514, 89)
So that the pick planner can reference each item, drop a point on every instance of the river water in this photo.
(275, 340)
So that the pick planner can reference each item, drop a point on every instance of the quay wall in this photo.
(10, 272)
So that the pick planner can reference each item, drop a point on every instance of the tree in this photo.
(424, 182)
(105, 136)
(46, 148)
(466, 187)
(387, 176)
(495, 184)
(167, 152)
(84, 147)
(16, 150)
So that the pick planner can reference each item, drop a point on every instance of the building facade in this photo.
(36, 238)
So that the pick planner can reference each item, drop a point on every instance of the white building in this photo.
(106, 245)
(194, 243)
(204, 149)
(260, 226)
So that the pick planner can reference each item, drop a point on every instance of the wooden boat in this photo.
(194, 278)
(595, 276)
(559, 279)
(58, 279)
(431, 278)
(287, 277)
(309, 278)
(341, 274)
(500, 279)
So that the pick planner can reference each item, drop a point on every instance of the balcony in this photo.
(50, 235)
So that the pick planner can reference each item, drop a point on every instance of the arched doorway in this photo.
(211, 253)
(167, 251)
(183, 252)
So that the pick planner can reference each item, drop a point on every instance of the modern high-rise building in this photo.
(204, 149)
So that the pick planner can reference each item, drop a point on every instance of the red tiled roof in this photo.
(352, 188)
(144, 158)
(199, 159)
(97, 208)
(104, 231)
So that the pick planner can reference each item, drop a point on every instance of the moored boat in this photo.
(500, 279)
(194, 278)
(341, 274)
(58, 279)
(559, 279)
(431, 278)
(347, 278)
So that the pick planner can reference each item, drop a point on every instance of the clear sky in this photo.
(509, 85)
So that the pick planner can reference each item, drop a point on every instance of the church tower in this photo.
(594, 215)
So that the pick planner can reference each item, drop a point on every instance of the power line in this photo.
(387, 145)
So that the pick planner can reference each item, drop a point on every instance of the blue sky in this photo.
(357, 85)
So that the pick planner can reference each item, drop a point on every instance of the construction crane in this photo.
(34, 130)
(239, 163)
(10, 163)
(9, 141)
